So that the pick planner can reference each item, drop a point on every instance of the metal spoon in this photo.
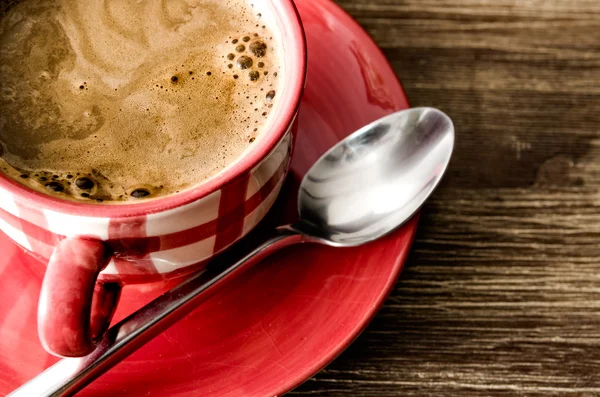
(362, 189)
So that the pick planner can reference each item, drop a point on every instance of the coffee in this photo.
(118, 100)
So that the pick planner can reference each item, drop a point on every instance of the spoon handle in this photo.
(69, 376)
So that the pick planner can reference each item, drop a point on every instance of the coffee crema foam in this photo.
(118, 100)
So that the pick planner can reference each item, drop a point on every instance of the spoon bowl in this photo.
(376, 179)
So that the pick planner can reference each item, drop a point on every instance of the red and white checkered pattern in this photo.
(162, 244)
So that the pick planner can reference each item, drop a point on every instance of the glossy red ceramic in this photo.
(92, 250)
(286, 318)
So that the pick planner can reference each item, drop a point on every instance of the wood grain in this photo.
(501, 294)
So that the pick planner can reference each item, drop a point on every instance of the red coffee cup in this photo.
(91, 251)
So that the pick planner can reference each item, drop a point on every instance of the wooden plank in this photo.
(501, 294)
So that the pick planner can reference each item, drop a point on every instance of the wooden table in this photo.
(501, 295)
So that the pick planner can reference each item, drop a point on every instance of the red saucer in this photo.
(285, 319)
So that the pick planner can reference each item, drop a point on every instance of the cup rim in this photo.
(247, 162)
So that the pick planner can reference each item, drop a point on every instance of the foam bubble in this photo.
(258, 48)
(244, 62)
(140, 193)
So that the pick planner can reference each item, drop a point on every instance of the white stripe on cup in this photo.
(15, 234)
(259, 212)
(265, 170)
(176, 258)
(7, 203)
(186, 217)
(73, 225)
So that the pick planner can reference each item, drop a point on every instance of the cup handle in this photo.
(75, 309)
